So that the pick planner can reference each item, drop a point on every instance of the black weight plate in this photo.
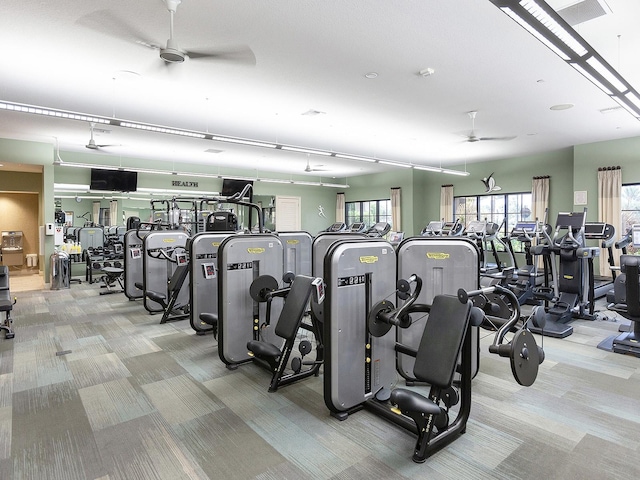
(378, 328)
(525, 358)
(261, 286)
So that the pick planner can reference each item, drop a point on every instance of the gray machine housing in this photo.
(156, 272)
(133, 253)
(445, 264)
(242, 259)
(203, 272)
(359, 272)
(297, 252)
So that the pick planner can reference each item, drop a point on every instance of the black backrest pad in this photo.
(294, 307)
(4, 277)
(178, 277)
(632, 286)
(442, 341)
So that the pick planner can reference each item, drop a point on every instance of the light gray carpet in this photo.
(133, 399)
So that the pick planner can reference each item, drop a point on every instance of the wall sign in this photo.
(180, 183)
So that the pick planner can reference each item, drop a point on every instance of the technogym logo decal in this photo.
(180, 183)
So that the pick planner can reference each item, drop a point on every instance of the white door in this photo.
(288, 214)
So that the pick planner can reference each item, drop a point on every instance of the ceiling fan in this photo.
(92, 145)
(309, 168)
(472, 137)
(105, 22)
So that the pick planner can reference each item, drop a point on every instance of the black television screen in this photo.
(113, 180)
(231, 186)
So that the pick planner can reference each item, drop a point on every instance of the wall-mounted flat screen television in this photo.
(232, 186)
(113, 180)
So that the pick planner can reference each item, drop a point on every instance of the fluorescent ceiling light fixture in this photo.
(395, 164)
(539, 19)
(273, 180)
(17, 107)
(608, 74)
(70, 186)
(334, 185)
(536, 34)
(159, 129)
(90, 165)
(633, 98)
(305, 150)
(456, 172)
(427, 168)
(627, 107)
(355, 157)
(567, 37)
(36, 110)
(593, 79)
(241, 141)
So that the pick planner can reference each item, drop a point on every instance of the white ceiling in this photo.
(82, 55)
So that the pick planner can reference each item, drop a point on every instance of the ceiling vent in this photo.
(584, 11)
(213, 150)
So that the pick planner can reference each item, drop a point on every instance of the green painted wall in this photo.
(624, 153)
(378, 187)
(512, 175)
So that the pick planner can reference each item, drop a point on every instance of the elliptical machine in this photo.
(572, 293)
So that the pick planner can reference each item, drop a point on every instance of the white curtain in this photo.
(539, 197)
(340, 207)
(396, 214)
(610, 209)
(113, 212)
(539, 204)
(446, 203)
(96, 213)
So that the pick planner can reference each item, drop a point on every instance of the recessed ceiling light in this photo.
(371, 75)
(561, 106)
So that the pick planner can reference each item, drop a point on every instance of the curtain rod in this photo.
(602, 169)
(541, 177)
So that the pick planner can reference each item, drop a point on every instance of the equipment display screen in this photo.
(570, 220)
(594, 229)
(636, 235)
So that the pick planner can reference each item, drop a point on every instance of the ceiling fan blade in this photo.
(240, 54)
(105, 22)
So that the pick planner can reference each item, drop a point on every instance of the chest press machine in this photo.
(362, 341)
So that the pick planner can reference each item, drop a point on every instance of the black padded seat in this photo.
(209, 318)
(263, 349)
(289, 321)
(168, 300)
(410, 401)
(156, 296)
(436, 361)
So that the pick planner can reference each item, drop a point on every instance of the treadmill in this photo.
(604, 233)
